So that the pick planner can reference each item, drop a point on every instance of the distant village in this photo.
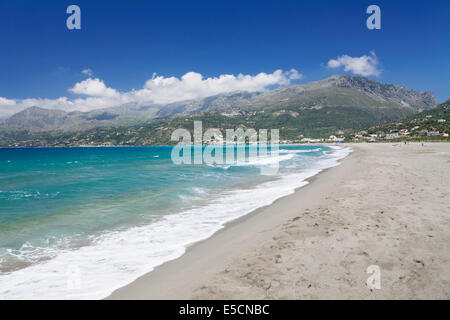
(432, 126)
(420, 128)
(417, 129)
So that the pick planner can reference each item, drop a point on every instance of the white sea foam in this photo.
(270, 159)
(117, 258)
(20, 194)
(282, 151)
(265, 160)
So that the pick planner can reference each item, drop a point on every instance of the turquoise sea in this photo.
(80, 222)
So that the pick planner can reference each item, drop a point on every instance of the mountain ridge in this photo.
(382, 102)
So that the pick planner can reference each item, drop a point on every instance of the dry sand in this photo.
(384, 205)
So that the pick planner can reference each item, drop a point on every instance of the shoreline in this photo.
(127, 291)
(324, 143)
(384, 205)
(155, 255)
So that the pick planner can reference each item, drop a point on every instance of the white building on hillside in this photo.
(392, 135)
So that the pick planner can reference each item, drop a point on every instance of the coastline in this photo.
(161, 276)
(302, 246)
(144, 248)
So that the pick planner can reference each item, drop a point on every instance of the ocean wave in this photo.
(258, 161)
(117, 258)
(300, 151)
(23, 194)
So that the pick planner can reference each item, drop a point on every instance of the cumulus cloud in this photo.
(157, 90)
(7, 102)
(363, 66)
(193, 85)
(87, 72)
(94, 87)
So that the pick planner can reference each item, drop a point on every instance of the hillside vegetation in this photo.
(339, 105)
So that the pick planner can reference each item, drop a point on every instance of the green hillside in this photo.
(431, 124)
(339, 105)
(294, 123)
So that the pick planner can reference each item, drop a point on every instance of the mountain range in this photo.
(343, 91)
(320, 108)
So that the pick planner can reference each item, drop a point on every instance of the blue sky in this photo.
(125, 42)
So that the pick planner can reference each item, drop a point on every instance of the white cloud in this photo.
(363, 66)
(87, 72)
(7, 102)
(94, 87)
(192, 85)
(294, 75)
(157, 90)
(8, 107)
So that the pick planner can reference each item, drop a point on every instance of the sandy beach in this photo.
(386, 205)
